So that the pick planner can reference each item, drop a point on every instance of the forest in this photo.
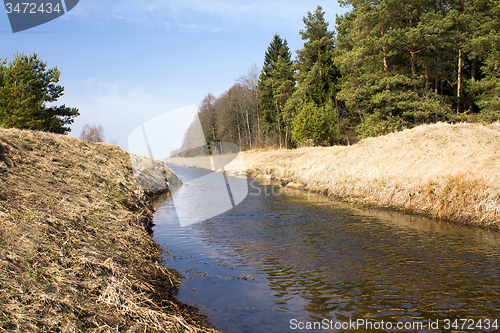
(387, 65)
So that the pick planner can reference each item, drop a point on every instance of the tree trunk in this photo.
(278, 118)
(473, 70)
(279, 131)
(436, 78)
(459, 85)
(414, 73)
(473, 67)
(426, 76)
(387, 87)
(258, 128)
(286, 137)
(239, 137)
(248, 128)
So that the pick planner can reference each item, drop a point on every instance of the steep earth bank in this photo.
(76, 251)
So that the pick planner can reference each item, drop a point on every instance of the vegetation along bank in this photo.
(446, 171)
(76, 251)
(382, 66)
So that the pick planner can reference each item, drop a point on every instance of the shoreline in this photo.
(444, 171)
(76, 246)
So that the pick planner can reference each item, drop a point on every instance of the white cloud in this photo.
(203, 15)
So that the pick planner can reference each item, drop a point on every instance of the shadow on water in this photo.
(283, 254)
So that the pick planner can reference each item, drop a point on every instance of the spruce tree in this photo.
(276, 85)
(318, 42)
(315, 102)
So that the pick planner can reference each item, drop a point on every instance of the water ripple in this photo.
(312, 259)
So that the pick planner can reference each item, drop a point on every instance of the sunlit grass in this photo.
(76, 253)
(445, 171)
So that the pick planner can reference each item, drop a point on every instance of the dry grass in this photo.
(445, 171)
(76, 252)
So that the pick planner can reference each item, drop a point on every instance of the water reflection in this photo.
(282, 256)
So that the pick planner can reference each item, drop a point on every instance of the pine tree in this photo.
(388, 59)
(484, 59)
(26, 87)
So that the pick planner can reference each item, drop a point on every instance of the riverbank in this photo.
(76, 251)
(445, 171)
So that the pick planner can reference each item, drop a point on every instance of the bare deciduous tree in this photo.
(94, 133)
(232, 117)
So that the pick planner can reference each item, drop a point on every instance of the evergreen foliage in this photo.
(26, 86)
(318, 120)
(406, 63)
(276, 85)
(315, 125)
(390, 65)
(319, 41)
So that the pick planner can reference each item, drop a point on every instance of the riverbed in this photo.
(283, 258)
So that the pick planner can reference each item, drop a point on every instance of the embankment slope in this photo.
(445, 171)
(76, 252)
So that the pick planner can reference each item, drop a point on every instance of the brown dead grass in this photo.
(76, 252)
(445, 171)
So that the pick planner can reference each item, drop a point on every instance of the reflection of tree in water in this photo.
(349, 267)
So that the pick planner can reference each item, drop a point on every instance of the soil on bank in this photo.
(445, 171)
(76, 251)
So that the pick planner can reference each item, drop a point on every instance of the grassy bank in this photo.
(445, 171)
(76, 251)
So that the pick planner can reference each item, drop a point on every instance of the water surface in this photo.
(284, 255)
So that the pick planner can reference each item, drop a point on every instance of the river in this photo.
(283, 259)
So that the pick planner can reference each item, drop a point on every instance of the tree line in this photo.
(389, 65)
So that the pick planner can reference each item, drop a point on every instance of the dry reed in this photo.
(76, 252)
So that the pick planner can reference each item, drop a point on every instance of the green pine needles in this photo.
(389, 65)
(26, 89)
(406, 63)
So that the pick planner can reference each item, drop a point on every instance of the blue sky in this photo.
(124, 63)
